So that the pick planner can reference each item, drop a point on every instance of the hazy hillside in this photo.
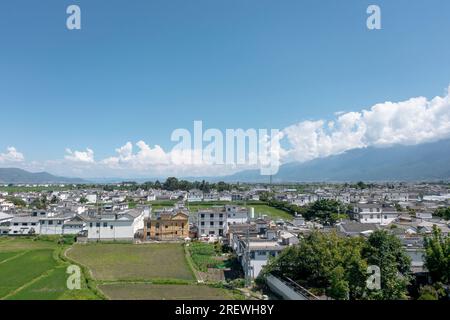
(14, 175)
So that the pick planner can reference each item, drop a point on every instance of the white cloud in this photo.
(409, 122)
(80, 156)
(145, 157)
(11, 155)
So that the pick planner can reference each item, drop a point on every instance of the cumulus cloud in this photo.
(11, 155)
(145, 157)
(80, 156)
(414, 121)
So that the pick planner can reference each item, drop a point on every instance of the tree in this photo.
(54, 200)
(17, 201)
(437, 256)
(339, 285)
(83, 200)
(435, 292)
(171, 184)
(443, 213)
(158, 184)
(326, 211)
(40, 203)
(385, 250)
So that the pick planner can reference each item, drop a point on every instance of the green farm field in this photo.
(112, 262)
(31, 269)
(263, 209)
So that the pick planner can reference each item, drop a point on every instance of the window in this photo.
(371, 216)
(90, 225)
(202, 215)
(16, 224)
(105, 224)
(97, 224)
(211, 216)
(221, 215)
(202, 223)
(211, 223)
(385, 217)
(220, 223)
(43, 222)
(111, 227)
(59, 222)
(24, 224)
(50, 222)
(33, 223)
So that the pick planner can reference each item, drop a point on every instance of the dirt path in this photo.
(29, 283)
(15, 257)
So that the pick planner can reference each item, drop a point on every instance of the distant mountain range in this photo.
(18, 176)
(424, 162)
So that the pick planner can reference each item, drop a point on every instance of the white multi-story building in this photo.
(110, 227)
(195, 196)
(212, 222)
(254, 254)
(374, 213)
(237, 214)
(24, 225)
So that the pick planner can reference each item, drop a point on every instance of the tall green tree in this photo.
(437, 256)
(385, 250)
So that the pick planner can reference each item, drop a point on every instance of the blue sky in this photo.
(140, 69)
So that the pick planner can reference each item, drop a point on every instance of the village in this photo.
(255, 222)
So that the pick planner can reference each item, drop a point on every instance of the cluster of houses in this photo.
(93, 215)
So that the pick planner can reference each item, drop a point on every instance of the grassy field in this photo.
(260, 207)
(31, 269)
(112, 262)
(263, 209)
(145, 291)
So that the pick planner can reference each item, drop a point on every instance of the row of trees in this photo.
(172, 184)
